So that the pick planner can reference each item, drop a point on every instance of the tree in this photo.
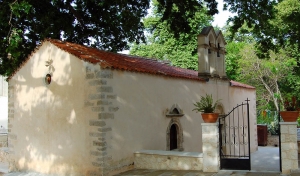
(177, 13)
(285, 21)
(273, 23)
(291, 85)
(231, 59)
(108, 25)
(256, 15)
(274, 26)
(163, 44)
(236, 42)
(265, 74)
(24, 24)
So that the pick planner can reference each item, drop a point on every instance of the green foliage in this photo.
(285, 21)
(231, 59)
(162, 44)
(269, 118)
(273, 24)
(177, 14)
(244, 34)
(206, 104)
(291, 85)
(265, 74)
(256, 15)
(291, 103)
(107, 25)
(17, 8)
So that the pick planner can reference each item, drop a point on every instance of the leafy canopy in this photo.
(108, 25)
(265, 74)
(162, 44)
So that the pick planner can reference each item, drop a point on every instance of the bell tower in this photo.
(211, 53)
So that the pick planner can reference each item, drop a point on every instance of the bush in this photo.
(269, 118)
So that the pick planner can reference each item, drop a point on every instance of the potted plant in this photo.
(207, 106)
(291, 112)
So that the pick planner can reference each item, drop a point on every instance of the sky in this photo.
(221, 18)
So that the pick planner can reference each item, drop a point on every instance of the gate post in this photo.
(210, 147)
(289, 147)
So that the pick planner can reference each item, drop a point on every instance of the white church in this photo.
(77, 110)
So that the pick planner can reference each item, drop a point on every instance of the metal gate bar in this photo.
(234, 139)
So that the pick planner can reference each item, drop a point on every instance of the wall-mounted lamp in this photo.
(48, 79)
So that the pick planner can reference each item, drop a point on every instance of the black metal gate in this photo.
(235, 139)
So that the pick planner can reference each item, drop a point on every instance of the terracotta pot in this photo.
(289, 116)
(210, 117)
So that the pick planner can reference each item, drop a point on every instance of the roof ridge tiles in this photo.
(107, 59)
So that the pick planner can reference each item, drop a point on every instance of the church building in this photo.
(77, 110)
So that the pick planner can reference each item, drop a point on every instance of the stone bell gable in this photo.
(211, 53)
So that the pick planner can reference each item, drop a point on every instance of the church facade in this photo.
(82, 111)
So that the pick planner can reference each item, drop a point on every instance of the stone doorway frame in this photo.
(175, 121)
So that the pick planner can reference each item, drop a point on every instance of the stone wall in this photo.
(168, 160)
(11, 135)
(3, 140)
(289, 148)
(273, 140)
(210, 147)
(100, 101)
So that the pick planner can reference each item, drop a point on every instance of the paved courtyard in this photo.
(143, 172)
(264, 162)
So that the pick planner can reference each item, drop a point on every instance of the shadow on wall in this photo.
(51, 124)
(48, 119)
(144, 100)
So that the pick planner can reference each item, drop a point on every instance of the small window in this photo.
(218, 53)
(173, 137)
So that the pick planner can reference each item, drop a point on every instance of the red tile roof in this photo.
(125, 62)
(237, 84)
(128, 63)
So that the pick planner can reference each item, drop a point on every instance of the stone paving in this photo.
(140, 172)
(145, 172)
(264, 162)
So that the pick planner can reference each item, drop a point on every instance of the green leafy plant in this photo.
(269, 118)
(291, 104)
(298, 122)
(206, 104)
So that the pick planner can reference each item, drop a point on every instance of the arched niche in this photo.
(174, 135)
(220, 41)
(220, 109)
(175, 111)
(221, 67)
(211, 40)
(211, 43)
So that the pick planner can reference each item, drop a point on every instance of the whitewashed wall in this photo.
(48, 124)
(91, 120)
(3, 105)
(142, 101)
